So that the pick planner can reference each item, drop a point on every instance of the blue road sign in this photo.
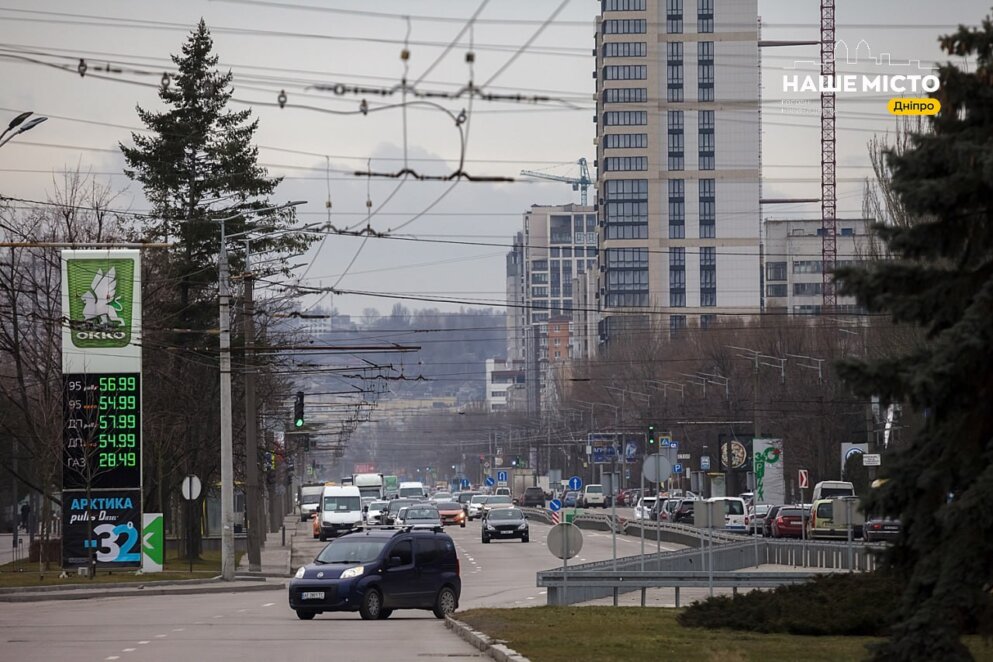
(489, 481)
(575, 483)
(677, 468)
(673, 444)
(465, 483)
(705, 463)
(502, 476)
(555, 505)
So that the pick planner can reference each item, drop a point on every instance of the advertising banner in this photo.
(608, 447)
(108, 523)
(767, 466)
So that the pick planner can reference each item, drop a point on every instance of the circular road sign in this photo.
(191, 487)
(575, 483)
(565, 540)
(555, 505)
(657, 468)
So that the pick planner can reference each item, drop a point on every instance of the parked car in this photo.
(570, 499)
(377, 571)
(644, 508)
(533, 497)
(879, 529)
(451, 513)
(788, 522)
(503, 523)
(592, 496)
(755, 518)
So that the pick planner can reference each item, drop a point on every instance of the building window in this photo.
(807, 266)
(625, 95)
(676, 142)
(705, 70)
(539, 291)
(539, 265)
(708, 321)
(705, 16)
(625, 118)
(806, 289)
(626, 208)
(706, 141)
(625, 26)
(624, 5)
(627, 277)
(807, 310)
(708, 209)
(625, 141)
(847, 232)
(708, 276)
(775, 290)
(677, 209)
(677, 322)
(615, 163)
(674, 71)
(775, 271)
(674, 16)
(677, 277)
(625, 49)
(625, 72)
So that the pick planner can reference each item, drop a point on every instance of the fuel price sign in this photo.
(103, 431)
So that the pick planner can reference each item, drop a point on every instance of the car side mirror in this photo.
(526, 517)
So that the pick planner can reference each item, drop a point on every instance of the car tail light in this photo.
(876, 527)
(780, 521)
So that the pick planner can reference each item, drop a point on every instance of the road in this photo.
(245, 627)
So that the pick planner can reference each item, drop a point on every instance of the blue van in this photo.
(378, 571)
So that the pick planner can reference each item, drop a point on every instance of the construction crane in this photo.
(581, 183)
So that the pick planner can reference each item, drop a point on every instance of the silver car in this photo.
(419, 517)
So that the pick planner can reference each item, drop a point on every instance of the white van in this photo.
(341, 511)
(832, 489)
(734, 512)
(310, 499)
(412, 490)
(592, 497)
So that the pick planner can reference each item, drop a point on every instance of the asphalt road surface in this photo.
(245, 627)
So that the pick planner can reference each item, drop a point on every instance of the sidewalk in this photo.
(275, 556)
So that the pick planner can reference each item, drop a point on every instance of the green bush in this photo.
(843, 604)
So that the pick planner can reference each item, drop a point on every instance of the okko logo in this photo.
(884, 77)
(101, 293)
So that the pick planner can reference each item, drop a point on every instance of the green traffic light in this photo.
(298, 422)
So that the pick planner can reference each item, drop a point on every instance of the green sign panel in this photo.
(101, 297)
(152, 542)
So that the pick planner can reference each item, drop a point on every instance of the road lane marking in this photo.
(112, 657)
(268, 604)
(160, 636)
(128, 650)
(144, 642)
(178, 629)
(531, 598)
(218, 616)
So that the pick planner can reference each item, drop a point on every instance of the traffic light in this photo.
(651, 436)
(298, 410)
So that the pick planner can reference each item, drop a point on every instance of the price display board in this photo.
(102, 438)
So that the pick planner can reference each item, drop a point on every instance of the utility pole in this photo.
(227, 454)
(253, 511)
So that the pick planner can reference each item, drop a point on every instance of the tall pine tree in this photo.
(941, 278)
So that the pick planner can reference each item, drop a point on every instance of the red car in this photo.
(788, 522)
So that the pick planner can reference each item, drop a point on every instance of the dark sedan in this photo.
(503, 523)
(878, 529)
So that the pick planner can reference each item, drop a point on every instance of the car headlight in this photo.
(522, 526)
(490, 526)
(353, 572)
(300, 572)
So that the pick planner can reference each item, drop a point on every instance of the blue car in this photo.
(569, 500)
(377, 571)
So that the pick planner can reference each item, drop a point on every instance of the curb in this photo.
(488, 646)
(120, 593)
(116, 585)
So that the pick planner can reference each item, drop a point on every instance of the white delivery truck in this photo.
(412, 490)
(370, 485)
(310, 498)
(341, 511)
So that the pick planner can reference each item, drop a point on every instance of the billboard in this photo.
(108, 523)
(767, 465)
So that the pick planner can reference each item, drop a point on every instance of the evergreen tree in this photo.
(941, 279)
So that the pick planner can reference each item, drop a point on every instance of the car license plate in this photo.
(312, 595)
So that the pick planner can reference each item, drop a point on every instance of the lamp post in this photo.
(227, 453)
(18, 125)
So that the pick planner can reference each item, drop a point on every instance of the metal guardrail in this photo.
(632, 580)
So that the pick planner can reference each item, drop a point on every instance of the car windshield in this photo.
(442, 496)
(498, 499)
(351, 550)
(570, 495)
(378, 505)
(411, 492)
(479, 498)
(466, 497)
(448, 505)
(824, 510)
(831, 492)
(791, 512)
(396, 505)
(594, 489)
(341, 504)
(310, 498)
(648, 501)
(420, 513)
(506, 513)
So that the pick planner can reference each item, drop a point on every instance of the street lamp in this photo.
(18, 125)
(227, 453)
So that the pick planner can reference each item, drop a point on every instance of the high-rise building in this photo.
(678, 162)
(516, 305)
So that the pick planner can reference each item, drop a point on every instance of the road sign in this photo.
(486, 465)
(489, 481)
(498, 461)
(804, 479)
(191, 487)
(677, 468)
(465, 483)
(565, 540)
(554, 505)
(673, 444)
(502, 476)
(705, 463)
(683, 456)
(871, 460)
(575, 483)
(657, 468)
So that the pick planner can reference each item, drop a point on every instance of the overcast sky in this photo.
(291, 48)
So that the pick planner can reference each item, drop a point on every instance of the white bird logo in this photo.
(101, 301)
